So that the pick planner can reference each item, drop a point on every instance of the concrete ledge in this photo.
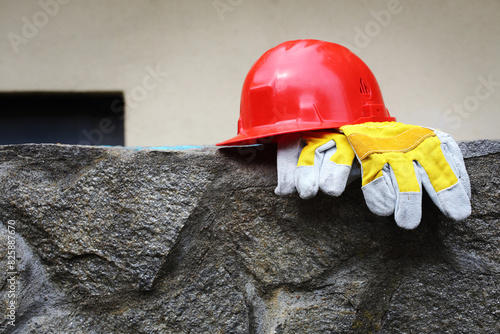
(115, 240)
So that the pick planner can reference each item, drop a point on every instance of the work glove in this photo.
(311, 161)
(396, 159)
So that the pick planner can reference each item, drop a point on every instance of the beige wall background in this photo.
(181, 64)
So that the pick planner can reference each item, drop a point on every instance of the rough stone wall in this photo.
(115, 240)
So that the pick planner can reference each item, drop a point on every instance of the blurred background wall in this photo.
(181, 63)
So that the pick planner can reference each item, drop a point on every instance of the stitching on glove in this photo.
(406, 141)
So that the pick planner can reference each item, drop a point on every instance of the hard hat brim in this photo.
(269, 134)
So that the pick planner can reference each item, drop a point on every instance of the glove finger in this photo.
(379, 194)
(287, 156)
(454, 156)
(307, 177)
(453, 202)
(333, 177)
(306, 181)
(408, 209)
(452, 197)
(336, 167)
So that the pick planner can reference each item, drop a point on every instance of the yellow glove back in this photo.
(396, 159)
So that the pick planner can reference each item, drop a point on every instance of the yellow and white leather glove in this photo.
(312, 161)
(397, 159)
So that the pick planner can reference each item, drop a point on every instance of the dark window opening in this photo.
(95, 118)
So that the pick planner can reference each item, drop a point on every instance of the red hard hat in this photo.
(306, 85)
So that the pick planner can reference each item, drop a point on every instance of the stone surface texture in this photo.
(121, 240)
